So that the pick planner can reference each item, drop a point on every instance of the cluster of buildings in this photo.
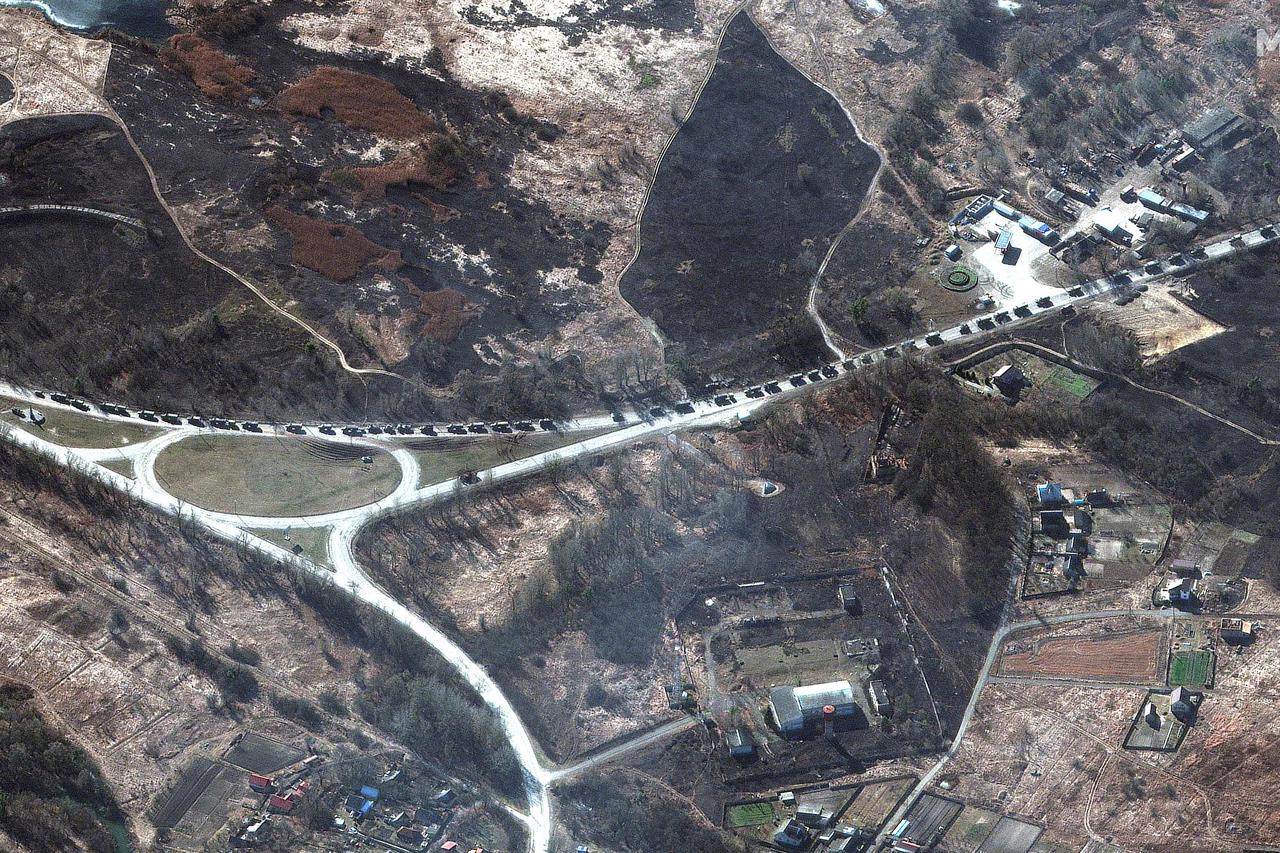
(814, 825)
(283, 794)
(976, 210)
(1060, 538)
(368, 812)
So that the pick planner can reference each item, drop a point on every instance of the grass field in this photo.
(275, 476)
(72, 429)
(1076, 384)
(443, 459)
(969, 829)
(123, 467)
(314, 541)
(1191, 668)
(749, 814)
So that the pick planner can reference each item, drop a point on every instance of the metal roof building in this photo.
(794, 709)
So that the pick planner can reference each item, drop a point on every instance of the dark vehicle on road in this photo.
(60, 398)
(754, 393)
(1199, 253)
(469, 478)
(815, 376)
(619, 418)
(1023, 310)
(196, 422)
(352, 431)
(294, 429)
(797, 381)
(1045, 302)
(478, 428)
(1177, 260)
(1003, 317)
(720, 400)
(868, 358)
(1120, 278)
(149, 416)
(456, 429)
(547, 424)
(1268, 231)
(326, 430)
(406, 429)
(502, 426)
(171, 419)
(1237, 240)
(1153, 267)
(772, 388)
(965, 330)
(891, 352)
(934, 340)
(1076, 292)
(524, 426)
(84, 407)
(986, 324)
(830, 372)
(252, 426)
(657, 412)
(429, 429)
(372, 430)
(685, 407)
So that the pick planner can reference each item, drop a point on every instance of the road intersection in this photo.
(725, 409)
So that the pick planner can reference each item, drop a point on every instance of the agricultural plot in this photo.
(208, 812)
(930, 817)
(1133, 657)
(876, 801)
(259, 754)
(272, 476)
(1191, 669)
(72, 429)
(745, 815)
(969, 830)
(1011, 836)
(1220, 549)
(1164, 736)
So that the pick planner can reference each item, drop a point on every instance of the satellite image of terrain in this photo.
(639, 426)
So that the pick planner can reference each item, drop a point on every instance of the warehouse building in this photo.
(798, 710)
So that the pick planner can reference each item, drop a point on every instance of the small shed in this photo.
(849, 599)
(952, 252)
(740, 743)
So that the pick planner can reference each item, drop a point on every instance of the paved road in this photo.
(625, 747)
(347, 524)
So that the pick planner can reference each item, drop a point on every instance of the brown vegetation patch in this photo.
(357, 100)
(1129, 657)
(447, 311)
(335, 251)
(216, 75)
(435, 164)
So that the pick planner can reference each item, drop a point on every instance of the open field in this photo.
(274, 476)
(314, 541)
(969, 829)
(71, 429)
(123, 467)
(1132, 657)
(444, 459)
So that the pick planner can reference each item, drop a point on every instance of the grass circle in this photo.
(959, 279)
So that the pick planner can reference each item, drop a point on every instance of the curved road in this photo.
(347, 524)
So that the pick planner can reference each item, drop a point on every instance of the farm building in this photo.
(1009, 380)
(739, 743)
(1185, 568)
(1049, 494)
(880, 698)
(849, 600)
(796, 709)
(1183, 704)
(1236, 632)
(1219, 126)
(1054, 523)
(792, 835)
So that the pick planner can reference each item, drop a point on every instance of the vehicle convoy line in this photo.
(721, 410)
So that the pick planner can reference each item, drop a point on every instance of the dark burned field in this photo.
(435, 212)
(752, 190)
(117, 313)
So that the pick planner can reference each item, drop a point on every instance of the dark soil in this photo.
(443, 202)
(754, 187)
(6, 89)
(111, 312)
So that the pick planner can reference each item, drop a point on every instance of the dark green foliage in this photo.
(236, 682)
(52, 796)
(299, 710)
(435, 717)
